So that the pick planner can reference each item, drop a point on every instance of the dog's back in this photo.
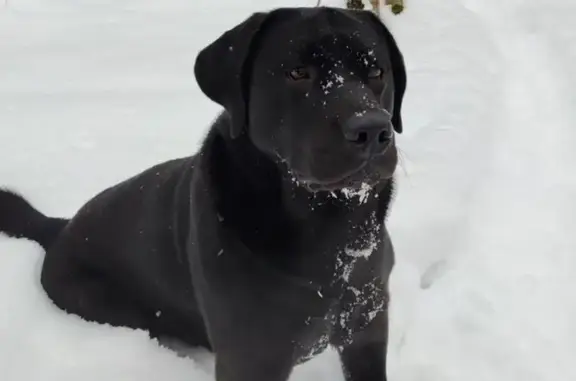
(121, 258)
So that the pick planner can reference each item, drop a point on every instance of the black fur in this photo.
(256, 247)
(19, 219)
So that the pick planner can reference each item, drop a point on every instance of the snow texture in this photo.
(92, 91)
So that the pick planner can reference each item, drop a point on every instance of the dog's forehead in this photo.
(322, 33)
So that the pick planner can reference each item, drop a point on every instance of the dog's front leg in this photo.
(365, 358)
(253, 364)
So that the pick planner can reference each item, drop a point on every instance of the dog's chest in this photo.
(353, 312)
(315, 341)
(352, 287)
(359, 307)
(358, 294)
(363, 292)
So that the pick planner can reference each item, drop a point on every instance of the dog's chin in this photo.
(333, 187)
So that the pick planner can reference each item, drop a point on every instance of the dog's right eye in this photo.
(298, 74)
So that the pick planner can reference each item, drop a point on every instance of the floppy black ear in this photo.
(220, 67)
(398, 67)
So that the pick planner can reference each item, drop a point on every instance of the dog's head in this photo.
(317, 89)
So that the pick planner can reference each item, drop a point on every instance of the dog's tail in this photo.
(19, 219)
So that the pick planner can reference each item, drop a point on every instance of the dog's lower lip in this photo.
(346, 182)
(315, 185)
(303, 179)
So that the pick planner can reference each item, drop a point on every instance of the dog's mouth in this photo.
(368, 174)
(358, 181)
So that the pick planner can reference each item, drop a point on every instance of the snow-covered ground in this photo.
(92, 91)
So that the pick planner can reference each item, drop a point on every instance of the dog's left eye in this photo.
(375, 73)
(298, 74)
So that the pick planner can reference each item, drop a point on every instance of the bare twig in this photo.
(375, 7)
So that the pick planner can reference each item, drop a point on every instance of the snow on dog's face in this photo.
(320, 90)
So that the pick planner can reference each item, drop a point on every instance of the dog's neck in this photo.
(273, 214)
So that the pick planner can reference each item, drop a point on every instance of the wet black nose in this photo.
(370, 132)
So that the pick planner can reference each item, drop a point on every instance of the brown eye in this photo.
(375, 73)
(298, 74)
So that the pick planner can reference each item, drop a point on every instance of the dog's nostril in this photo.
(362, 137)
(384, 136)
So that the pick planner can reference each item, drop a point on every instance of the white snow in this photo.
(484, 224)
(363, 194)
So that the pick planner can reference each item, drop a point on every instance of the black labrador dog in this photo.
(269, 244)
